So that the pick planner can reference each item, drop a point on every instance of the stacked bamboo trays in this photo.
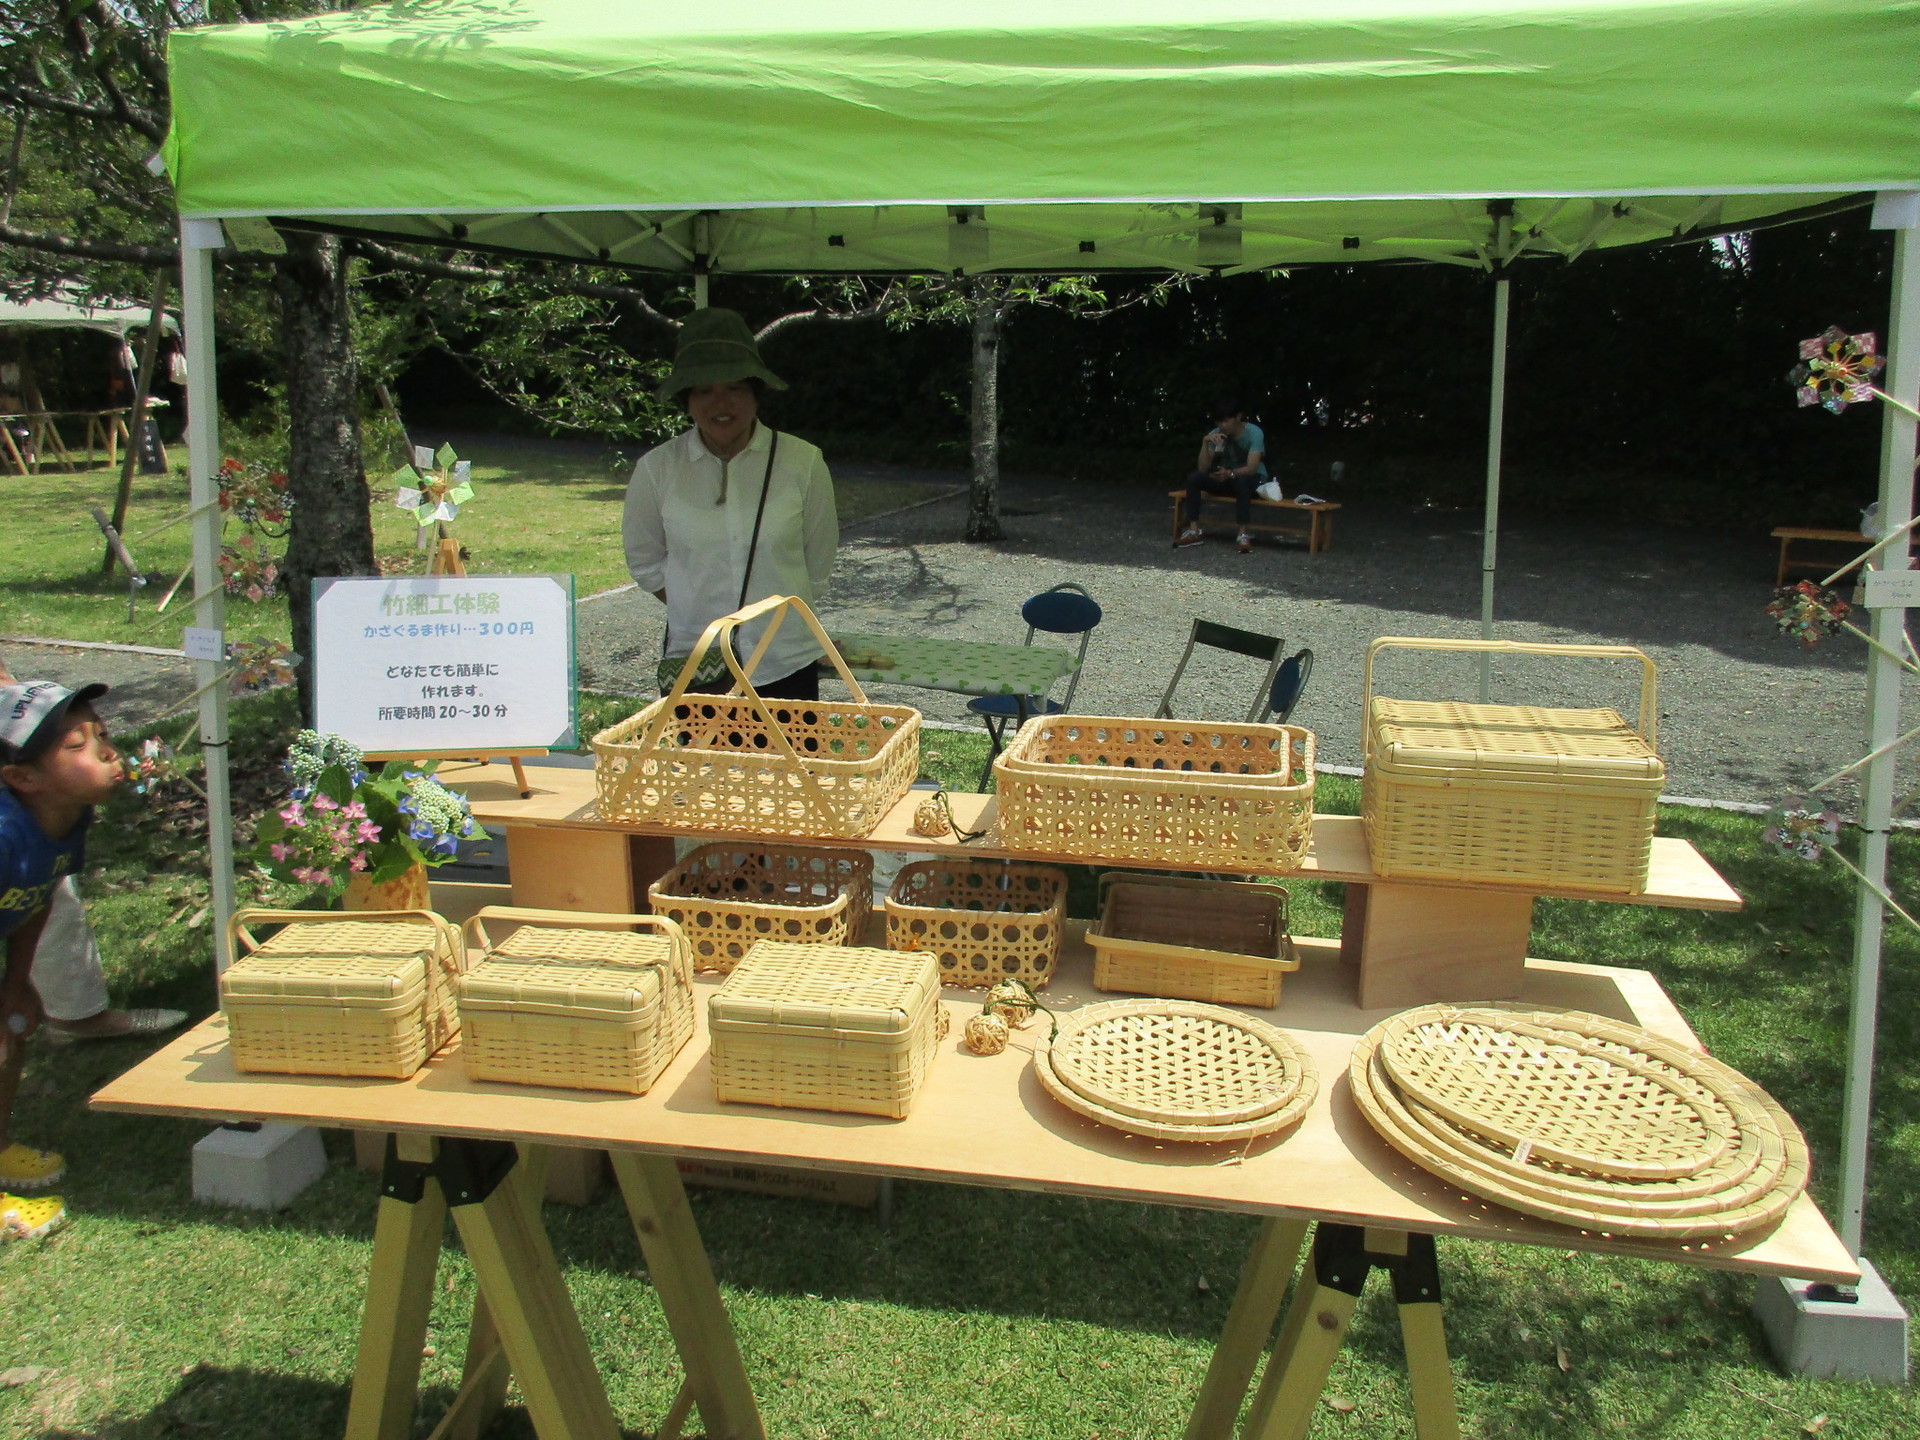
(326, 996)
(1562, 799)
(1580, 1119)
(729, 896)
(984, 921)
(1239, 797)
(575, 999)
(1177, 1070)
(823, 769)
(1182, 938)
(826, 1027)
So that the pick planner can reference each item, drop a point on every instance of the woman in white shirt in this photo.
(730, 511)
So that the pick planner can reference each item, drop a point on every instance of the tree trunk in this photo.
(983, 504)
(332, 531)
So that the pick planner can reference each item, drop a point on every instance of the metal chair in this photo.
(1064, 610)
(1289, 684)
(1252, 644)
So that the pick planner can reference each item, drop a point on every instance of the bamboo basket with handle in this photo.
(1182, 938)
(1188, 792)
(371, 994)
(1518, 794)
(738, 762)
(575, 999)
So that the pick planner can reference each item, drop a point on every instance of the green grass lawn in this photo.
(978, 1312)
(535, 511)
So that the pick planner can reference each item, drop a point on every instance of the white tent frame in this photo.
(1895, 210)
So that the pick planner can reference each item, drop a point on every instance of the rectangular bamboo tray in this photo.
(825, 1027)
(826, 769)
(728, 896)
(1185, 939)
(984, 921)
(1516, 794)
(1235, 796)
(575, 999)
(367, 996)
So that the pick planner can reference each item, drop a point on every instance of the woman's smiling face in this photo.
(724, 414)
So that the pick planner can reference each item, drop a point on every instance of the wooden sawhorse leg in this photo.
(682, 1277)
(1256, 1304)
(1316, 1327)
(524, 1305)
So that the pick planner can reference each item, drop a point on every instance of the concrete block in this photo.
(260, 1168)
(1862, 1340)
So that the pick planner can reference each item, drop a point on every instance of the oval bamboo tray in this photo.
(1751, 1186)
(1177, 1070)
(1552, 1091)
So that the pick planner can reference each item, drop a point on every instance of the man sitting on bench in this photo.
(1232, 462)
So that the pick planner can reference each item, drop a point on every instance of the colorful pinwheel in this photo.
(1808, 612)
(436, 495)
(1837, 369)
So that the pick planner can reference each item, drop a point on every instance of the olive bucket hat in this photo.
(715, 347)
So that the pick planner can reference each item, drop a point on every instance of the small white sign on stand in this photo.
(425, 665)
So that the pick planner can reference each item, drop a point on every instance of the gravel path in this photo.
(1744, 715)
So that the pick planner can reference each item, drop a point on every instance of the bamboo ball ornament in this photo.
(942, 1024)
(1012, 1002)
(929, 819)
(987, 1034)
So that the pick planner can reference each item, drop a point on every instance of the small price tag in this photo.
(1893, 589)
(204, 644)
(1523, 1152)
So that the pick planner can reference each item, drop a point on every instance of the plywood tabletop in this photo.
(1679, 876)
(986, 1121)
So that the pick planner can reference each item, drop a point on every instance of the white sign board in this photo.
(1893, 589)
(436, 664)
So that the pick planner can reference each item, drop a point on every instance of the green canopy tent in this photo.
(972, 136)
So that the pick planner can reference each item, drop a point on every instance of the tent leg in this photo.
(198, 240)
(1490, 534)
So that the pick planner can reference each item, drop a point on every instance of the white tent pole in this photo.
(1496, 420)
(1883, 714)
(198, 240)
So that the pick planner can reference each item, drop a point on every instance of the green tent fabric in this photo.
(1199, 135)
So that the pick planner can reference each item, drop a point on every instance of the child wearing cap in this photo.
(56, 764)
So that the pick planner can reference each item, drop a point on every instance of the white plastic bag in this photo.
(1269, 490)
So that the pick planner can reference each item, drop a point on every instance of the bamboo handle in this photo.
(237, 930)
(682, 952)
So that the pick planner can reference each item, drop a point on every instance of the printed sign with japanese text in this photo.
(445, 663)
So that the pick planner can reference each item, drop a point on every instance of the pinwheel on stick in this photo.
(434, 488)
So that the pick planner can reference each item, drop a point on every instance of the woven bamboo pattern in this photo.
(1106, 788)
(983, 921)
(827, 768)
(1225, 942)
(1177, 1070)
(1559, 798)
(1746, 1185)
(729, 897)
(1604, 1111)
(559, 1004)
(326, 996)
(825, 1027)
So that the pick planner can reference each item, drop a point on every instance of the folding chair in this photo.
(1250, 643)
(1064, 610)
(1289, 684)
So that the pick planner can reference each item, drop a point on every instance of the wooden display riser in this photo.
(1411, 942)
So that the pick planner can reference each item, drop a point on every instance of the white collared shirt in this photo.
(678, 537)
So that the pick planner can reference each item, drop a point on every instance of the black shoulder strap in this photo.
(766, 484)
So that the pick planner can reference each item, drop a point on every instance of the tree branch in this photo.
(152, 256)
(439, 269)
(83, 48)
(58, 104)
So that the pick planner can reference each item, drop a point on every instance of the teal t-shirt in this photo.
(1250, 439)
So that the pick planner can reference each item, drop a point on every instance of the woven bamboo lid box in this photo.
(826, 1027)
(575, 999)
(1559, 798)
(327, 996)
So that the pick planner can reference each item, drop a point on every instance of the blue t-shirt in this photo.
(1250, 439)
(31, 864)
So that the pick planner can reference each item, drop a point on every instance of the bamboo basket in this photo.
(738, 762)
(728, 897)
(1517, 794)
(575, 999)
(1229, 796)
(370, 996)
(1220, 941)
(1173, 1070)
(1741, 1185)
(984, 921)
(825, 1027)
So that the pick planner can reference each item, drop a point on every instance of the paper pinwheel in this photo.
(261, 664)
(435, 486)
(1837, 369)
(1807, 611)
(1793, 829)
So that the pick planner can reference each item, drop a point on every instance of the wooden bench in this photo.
(1787, 534)
(1318, 531)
